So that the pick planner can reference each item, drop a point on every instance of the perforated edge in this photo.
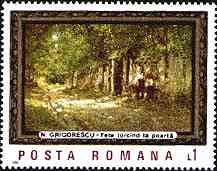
(115, 1)
(1, 79)
(215, 127)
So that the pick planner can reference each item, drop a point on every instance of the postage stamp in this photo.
(108, 85)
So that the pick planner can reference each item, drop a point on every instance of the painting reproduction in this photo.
(108, 77)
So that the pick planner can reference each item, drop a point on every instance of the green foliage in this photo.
(56, 51)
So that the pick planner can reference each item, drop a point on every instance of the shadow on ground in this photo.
(92, 110)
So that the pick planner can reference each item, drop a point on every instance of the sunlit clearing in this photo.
(149, 82)
(160, 69)
(162, 77)
(147, 69)
(86, 103)
(55, 37)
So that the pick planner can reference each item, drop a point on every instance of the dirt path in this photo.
(91, 110)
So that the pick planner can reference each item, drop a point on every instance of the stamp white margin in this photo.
(82, 153)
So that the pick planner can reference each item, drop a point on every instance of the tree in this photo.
(61, 52)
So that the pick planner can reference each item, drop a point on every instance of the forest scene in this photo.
(108, 77)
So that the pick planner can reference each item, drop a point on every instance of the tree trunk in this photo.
(75, 79)
(126, 70)
(109, 78)
(120, 77)
(166, 66)
(117, 76)
(100, 81)
(72, 79)
(103, 76)
(166, 58)
(113, 77)
(184, 70)
(106, 78)
(91, 78)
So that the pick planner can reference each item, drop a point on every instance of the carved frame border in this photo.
(198, 19)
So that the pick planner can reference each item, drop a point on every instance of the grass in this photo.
(92, 110)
